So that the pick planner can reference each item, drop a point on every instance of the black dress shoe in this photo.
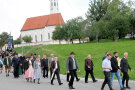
(60, 83)
(78, 80)
(86, 82)
(94, 81)
(128, 87)
(34, 80)
(52, 84)
(71, 87)
(122, 89)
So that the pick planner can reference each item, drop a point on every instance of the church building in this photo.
(41, 28)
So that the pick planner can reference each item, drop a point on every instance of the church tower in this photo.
(54, 6)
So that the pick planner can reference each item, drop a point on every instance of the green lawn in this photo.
(97, 50)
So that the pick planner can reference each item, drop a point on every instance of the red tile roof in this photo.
(42, 21)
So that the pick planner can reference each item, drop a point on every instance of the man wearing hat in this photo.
(7, 64)
(72, 66)
(16, 62)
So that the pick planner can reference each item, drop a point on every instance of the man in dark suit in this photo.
(16, 62)
(72, 66)
(55, 68)
(22, 58)
(124, 68)
(7, 64)
(89, 69)
(45, 65)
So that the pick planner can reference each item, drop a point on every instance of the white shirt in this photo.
(106, 63)
(56, 65)
(74, 64)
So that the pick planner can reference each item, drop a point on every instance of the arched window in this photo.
(41, 37)
(49, 36)
(54, 3)
(51, 3)
(36, 38)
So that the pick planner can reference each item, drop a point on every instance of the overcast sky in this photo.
(13, 13)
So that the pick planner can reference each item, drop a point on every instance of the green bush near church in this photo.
(97, 50)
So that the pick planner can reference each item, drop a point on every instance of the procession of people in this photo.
(34, 68)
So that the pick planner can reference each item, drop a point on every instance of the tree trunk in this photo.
(79, 40)
(89, 39)
(71, 41)
(97, 39)
(113, 39)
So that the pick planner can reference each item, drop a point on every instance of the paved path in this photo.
(10, 83)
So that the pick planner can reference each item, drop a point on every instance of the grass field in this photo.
(97, 50)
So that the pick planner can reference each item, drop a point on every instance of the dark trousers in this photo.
(22, 68)
(87, 74)
(16, 74)
(75, 74)
(58, 76)
(45, 72)
(72, 74)
(107, 80)
(125, 78)
(51, 74)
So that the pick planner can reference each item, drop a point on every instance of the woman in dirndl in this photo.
(37, 70)
(30, 72)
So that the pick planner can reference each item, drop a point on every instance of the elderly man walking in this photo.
(89, 66)
(124, 68)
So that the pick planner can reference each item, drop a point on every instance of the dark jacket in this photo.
(104, 58)
(89, 63)
(114, 64)
(69, 64)
(124, 65)
(16, 62)
(44, 63)
(53, 65)
(22, 58)
(9, 62)
(26, 64)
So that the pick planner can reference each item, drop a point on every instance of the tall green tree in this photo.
(58, 34)
(98, 29)
(75, 29)
(27, 39)
(17, 41)
(118, 27)
(97, 9)
(3, 39)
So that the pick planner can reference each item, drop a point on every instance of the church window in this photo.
(36, 38)
(49, 36)
(54, 3)
(41, 37)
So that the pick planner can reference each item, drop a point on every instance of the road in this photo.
(10, 83)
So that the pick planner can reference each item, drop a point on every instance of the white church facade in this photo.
(41, 28)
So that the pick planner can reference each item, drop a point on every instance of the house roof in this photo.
(42, 21)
